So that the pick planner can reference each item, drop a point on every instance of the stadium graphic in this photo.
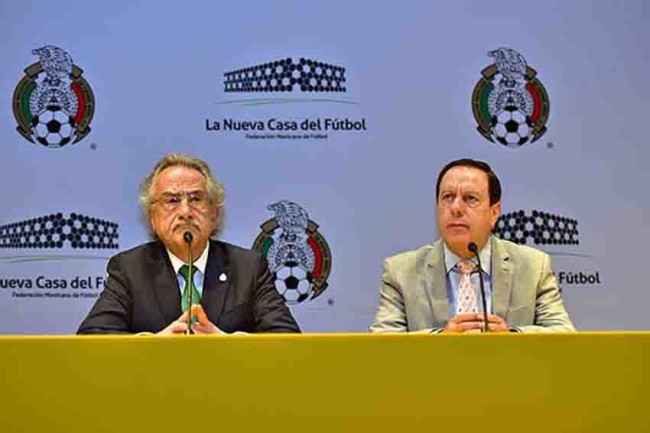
(537, 227)
(287, 75)
(53, 104)
(510, 105)
(56, 231)
(298, 255)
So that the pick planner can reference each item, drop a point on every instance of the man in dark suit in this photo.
(146, 289)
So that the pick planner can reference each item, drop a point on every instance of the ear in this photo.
(215, 216)
(495, 212)
(151, 224)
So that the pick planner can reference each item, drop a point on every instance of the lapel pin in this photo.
(222, 277)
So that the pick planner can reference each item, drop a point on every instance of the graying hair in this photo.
(216, 192)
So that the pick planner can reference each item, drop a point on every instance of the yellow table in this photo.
(596, 382)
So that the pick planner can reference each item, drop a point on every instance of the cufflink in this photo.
(222, 277)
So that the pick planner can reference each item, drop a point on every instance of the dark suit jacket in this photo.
(141, 293)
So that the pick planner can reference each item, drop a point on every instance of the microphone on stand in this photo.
(187, 236)
(474, 249)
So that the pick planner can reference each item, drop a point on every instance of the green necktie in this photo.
(196, 297)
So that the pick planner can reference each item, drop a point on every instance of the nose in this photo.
(457, 206)
(184, 209)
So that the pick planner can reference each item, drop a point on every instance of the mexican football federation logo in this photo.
(53, 104)
(510, 104)
(298, 255)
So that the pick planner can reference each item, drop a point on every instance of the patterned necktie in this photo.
(467, 302)
(196, 297)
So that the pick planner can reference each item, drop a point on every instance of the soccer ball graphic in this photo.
(511, 127)
(53, 127)
(293, 282)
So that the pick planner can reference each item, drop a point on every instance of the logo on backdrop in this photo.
(53, 104)
(60, 233)
(548, 231)
(288, 81)
(287, 75)
(298, 255)
(540, 228)
(55, 231)
(509, 103)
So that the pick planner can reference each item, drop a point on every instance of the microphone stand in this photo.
(474, 249)
(187, 236)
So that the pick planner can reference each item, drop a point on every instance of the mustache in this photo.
(186, 225)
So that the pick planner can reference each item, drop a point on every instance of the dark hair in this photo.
(494, 186)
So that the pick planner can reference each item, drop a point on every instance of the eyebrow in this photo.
(469, 191)
(192, 191)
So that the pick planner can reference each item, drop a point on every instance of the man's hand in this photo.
(465, 322)
(178, 326)
(204, 326)
(496, 323)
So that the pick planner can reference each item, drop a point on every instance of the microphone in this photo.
(474, 249)
(188, 238)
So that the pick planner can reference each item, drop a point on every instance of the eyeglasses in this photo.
(195, 199)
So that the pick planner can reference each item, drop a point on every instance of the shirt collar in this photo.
(452, 259)
(200, 263)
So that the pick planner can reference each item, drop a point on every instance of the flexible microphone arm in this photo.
(474, 249)
(187, 236)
